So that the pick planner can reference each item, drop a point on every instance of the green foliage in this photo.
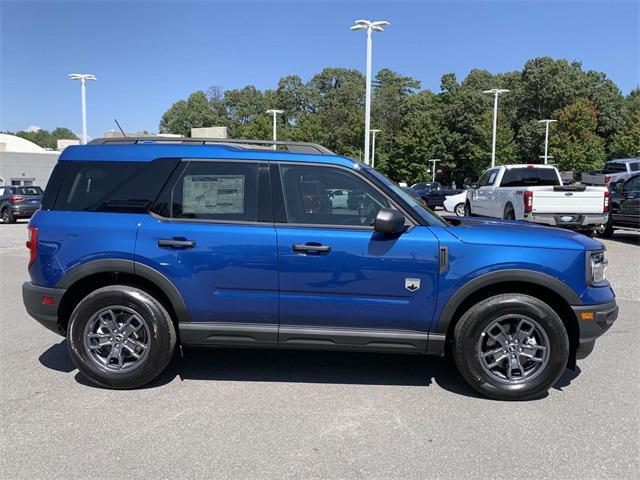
(576, 146)
(45, 138)
(455, 125)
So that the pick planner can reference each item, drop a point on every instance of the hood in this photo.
(510, 233)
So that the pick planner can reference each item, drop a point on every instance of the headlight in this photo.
(597, 265)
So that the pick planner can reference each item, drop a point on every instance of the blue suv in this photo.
(143, 245)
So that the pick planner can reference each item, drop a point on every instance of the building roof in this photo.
(11, 143)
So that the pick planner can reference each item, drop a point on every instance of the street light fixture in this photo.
(495, 92)
(275, 133)
(370, 27)
(373, 147)
(83, 77)
(433, 168)
(546, 138)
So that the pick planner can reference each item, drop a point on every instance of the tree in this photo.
(183, 115)
(626, 143)
(576, 146)
(46, 139)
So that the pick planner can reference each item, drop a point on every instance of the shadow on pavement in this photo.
(624, 236)
(298, 366)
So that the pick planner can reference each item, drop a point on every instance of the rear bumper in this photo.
(47, 315)
(600, 317)
(24, 211)
(568, 220)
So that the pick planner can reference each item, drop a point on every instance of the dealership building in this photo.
(24, 163)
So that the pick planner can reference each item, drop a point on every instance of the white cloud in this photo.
(32, 128)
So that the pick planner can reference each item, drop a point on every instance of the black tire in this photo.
(589, 233)
(467, 210)
(509, 214)
(607, 231)
(7, 216)
(161, 339)
(459, 209)
(468, 336)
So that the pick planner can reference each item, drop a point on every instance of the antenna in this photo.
(122, 131)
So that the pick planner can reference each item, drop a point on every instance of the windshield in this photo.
(423, 212)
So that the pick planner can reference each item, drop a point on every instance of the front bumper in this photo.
(568, 220)
(593, 321)
(46, 314)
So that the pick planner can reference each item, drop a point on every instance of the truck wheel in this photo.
(120, 337)
(607, 231)
(459, 210)
(511, 347)
(509, 214)
(7, 216)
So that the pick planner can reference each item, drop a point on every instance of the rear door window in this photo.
(529, 177)
(213, 190)
(124, 187)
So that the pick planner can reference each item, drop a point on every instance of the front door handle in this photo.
(175, 243)
(310, 248)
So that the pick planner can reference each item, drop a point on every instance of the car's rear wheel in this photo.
(511, 347)
(459, 209)
(7, 216)
(120, 337)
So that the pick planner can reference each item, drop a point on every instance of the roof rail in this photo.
(293, 147)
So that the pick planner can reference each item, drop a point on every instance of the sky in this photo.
(149, 54)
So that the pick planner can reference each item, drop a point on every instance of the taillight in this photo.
(16, 199)
(32, 244)
(607, 178)
(607, 201)
(528, 201)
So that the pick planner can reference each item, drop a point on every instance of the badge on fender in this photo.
(412, 284)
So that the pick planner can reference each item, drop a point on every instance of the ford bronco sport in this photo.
(141, 245)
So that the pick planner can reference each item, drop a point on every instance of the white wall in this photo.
(27, 165)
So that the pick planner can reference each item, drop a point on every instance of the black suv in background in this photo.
(625, 207)
(19, 202)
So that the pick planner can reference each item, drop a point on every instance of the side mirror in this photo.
(389, 221)
(474, 185)
(619, 187)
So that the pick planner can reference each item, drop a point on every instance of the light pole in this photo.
(373, 147)
(495, 92)
(275, 134)
(370, 27)
(433, 168)
(83, 77)
(546, 138)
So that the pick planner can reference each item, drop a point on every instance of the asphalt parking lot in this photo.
(270, 414)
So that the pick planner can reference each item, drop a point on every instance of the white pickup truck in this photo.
(614, 171)
(535, 193)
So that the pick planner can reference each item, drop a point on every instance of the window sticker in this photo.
(210, 194)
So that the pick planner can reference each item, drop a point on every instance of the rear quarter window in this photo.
(124, 187)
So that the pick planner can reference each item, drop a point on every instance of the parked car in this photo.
(625, 207)
(339, 198)
(535, 193)
(433, 193)
(613, 171)
(19, 202)
(455, 203)
(141, 246)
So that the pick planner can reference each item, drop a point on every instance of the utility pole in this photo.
(433, 168)
(495, 92)
(373, 147)
(370, 27)
(83, 77)
(275, 128)
(546, 138)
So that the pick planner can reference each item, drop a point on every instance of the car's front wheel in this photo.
(120, 337)
(511, 347)
(459, 209)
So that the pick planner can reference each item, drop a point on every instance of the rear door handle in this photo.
(174, 243)
(310, 248)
